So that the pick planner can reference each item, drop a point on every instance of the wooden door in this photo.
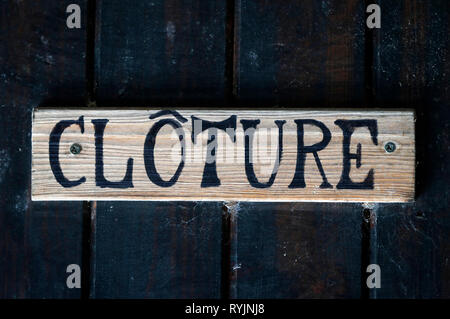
(217, 53)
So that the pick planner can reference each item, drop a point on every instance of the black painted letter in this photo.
(100, 180)
(302, 150)
(348, 127)
(249, 127)
(53, 152)
(149, 153)
(210, 178)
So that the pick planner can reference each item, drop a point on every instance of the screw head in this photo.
(75, 148)
(390, 147)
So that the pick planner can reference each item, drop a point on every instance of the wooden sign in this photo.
(242, 155)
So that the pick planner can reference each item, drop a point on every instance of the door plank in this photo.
(41, 63)
(157, 250)
(159, 53)
(295, 250)
(252, 160)
(412, 67)
(300, 54)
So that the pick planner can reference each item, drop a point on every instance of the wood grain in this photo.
(125, 136)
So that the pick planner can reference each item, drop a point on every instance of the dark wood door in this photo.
(218, 53)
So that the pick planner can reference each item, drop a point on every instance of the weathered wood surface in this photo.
(296, 53)
(41, 63)
(299, 53)
(412, 68)
(290, 54)
(160, 53)
(176, 165)
(295, 250)
(157, 250)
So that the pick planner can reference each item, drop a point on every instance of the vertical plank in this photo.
(412, 68)
(302, 54)
(296, 250)
(166, 53)
(41, 63)
(157, 250)
(159, 53)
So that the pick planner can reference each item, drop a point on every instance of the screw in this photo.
(75, 148)
(390, 147)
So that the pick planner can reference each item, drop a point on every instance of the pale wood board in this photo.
(126, 131)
